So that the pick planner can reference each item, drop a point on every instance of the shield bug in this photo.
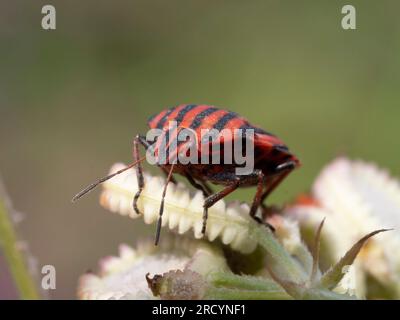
(271, 159)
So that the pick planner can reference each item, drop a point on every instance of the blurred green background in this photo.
(71, 100)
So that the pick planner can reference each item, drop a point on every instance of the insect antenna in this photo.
(95, 184)
(160, 214)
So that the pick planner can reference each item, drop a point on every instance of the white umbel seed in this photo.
(183, 210)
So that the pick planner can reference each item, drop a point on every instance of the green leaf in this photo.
(16, 261)
(333, 276)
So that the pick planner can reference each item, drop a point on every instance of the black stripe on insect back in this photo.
(160, 124)
(181, 114)
(198, 119)
(256, 130)
(151, 118)
(179, 117)
(221, 123)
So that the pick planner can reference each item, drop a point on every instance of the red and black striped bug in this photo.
(272, 159)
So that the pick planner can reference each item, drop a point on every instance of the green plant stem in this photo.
(240, 294)
(284, 264)
(323, 294)
(231, 286)
(226, 285)
(231, 280)
(16, 262)
(291, 275)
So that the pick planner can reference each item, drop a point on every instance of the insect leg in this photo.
(139, 171)
(281, 172)
(259, 177)
(159, 222)
(166, 172)
(212, 199)
(198, 186)
(206, 186)
(258, 195)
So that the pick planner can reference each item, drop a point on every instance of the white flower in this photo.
(357, 198)
(183, 268)
(182, 211)
(124, 276)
